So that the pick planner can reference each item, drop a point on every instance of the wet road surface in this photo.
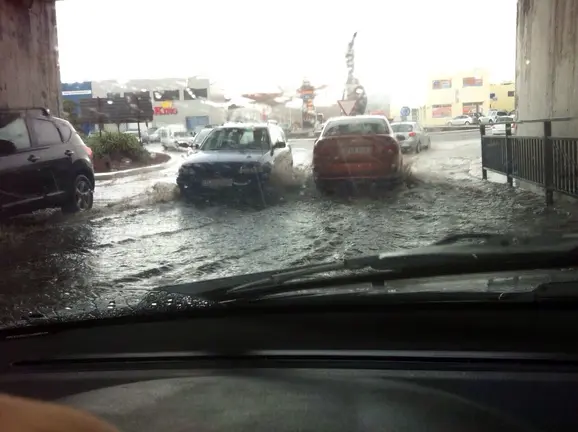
(140, 235)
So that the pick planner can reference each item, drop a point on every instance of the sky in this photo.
(256, 45)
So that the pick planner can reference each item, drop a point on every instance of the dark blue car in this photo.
(237, 158)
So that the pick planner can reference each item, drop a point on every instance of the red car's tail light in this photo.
(412, 134)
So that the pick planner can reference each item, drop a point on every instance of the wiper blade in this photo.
(492, 252)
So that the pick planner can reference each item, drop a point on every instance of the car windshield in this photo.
(317, 155)
(237, 138)
(402, 127)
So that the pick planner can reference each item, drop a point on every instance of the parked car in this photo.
(499, 127)
(43, 163)
(492, 115)
(237, 158)
(461, 120)
(358, 149)
(415, 137)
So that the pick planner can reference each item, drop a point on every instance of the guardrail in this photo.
(308, 134)
(546, 161)
(450, 128)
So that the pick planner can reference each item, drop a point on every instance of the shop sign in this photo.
(160, 111)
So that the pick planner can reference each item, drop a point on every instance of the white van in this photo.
(174, 137)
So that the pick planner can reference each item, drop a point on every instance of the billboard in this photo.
(472, 82)
(441, 84)
(75, 92)
(135, 109)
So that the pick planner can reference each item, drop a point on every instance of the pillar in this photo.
(29, 70)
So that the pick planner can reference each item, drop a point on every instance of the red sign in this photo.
(165, 111)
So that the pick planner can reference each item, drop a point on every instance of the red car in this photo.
(357, 149)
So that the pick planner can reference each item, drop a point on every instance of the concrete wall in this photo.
(547, 64)
(29, 71)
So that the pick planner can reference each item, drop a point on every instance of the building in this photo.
(452, 95)
(187, 101)
(503, 96)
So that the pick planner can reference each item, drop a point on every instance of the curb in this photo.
(453, 131)
(134, 171)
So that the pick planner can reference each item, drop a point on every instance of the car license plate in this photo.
(217, 183)
(359, 150)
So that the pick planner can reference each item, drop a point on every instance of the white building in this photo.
(188, 101)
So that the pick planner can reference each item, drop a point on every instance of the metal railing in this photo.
(546, 161)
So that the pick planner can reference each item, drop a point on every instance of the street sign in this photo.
(347, 106)
(405, 111)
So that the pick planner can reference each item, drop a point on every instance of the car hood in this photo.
(224, 157)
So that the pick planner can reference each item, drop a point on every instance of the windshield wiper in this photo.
(455, 254)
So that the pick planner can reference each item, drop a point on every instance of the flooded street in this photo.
(141, 235)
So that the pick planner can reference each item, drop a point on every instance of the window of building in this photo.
(441, 111)
(442, 84)
(192, 93)
(166, 95)
(13, 129)
(472, 82)
(112, 95)
(511, 93)
(140, 94)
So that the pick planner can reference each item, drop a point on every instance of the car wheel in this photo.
(81, 196)
(418, 147)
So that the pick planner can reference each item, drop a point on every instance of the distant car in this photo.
(43, 163)
(461, 120)
(357, 149)
(415, 138)
(236, 158)
(499, 127)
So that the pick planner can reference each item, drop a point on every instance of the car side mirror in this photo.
(280, 145)
(7, 147)
(400, 137)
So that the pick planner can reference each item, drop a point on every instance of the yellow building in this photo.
(452, 95)
(503, 96)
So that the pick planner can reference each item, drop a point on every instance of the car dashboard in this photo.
(434, 367)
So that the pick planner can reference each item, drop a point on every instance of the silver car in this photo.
(415, 139)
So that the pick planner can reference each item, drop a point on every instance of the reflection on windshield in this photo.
(238, 139)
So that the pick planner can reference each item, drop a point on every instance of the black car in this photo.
(236, 158)
(43, 163)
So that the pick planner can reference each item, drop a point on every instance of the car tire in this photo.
(81, 195)
(467, 123)
(418, 147)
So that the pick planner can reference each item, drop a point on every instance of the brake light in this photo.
(412, 134)
(88, 150)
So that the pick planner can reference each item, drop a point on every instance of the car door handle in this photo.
(33, 158)
(68, 152)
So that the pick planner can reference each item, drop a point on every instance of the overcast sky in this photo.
(257, 45)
